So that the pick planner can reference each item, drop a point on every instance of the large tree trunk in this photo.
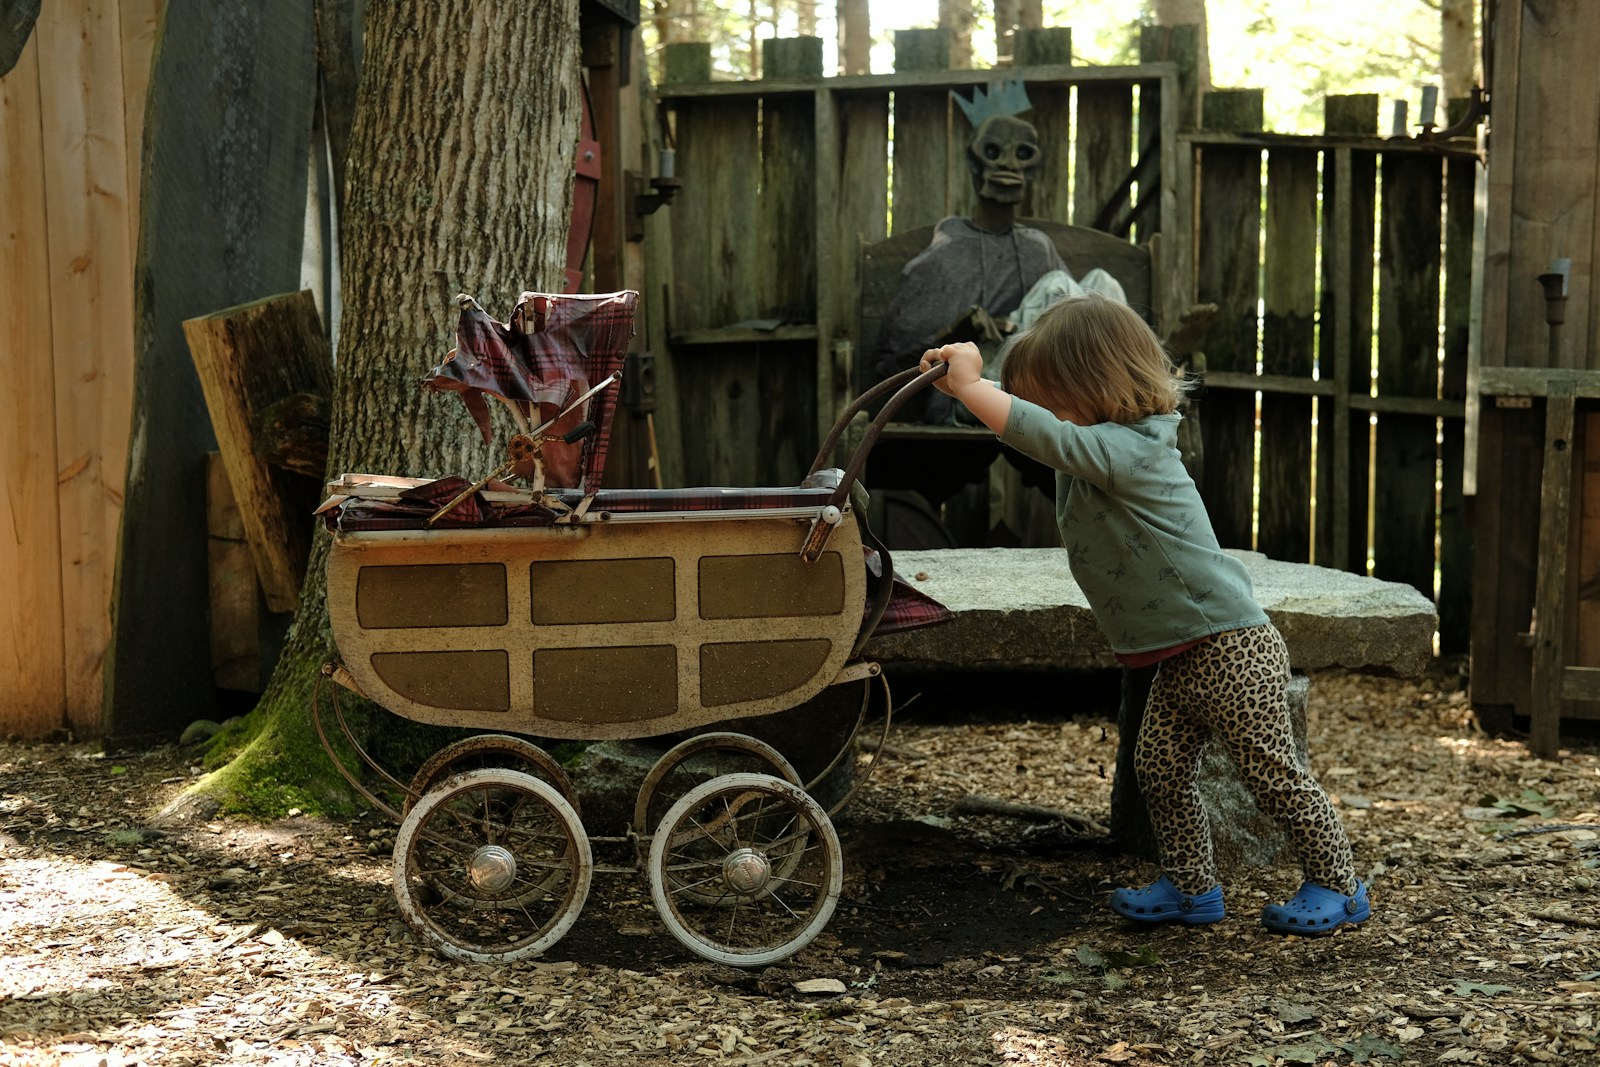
(1458, 50)
(855, 37)
(1188, 13)
(460, 179)
(958, 17)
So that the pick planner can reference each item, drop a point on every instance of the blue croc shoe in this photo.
(1162, 902)
(1316, 911)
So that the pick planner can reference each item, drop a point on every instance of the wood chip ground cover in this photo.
(959, 939)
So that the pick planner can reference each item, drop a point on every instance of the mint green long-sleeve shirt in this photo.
(1137, 534)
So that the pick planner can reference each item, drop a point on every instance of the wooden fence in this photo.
(784, 180)
(71, 116)
(1340, 264)
(1342, 268)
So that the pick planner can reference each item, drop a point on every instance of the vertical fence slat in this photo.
(1349, 201)
(1455, 535)
(1228, 268)
(1347, 219)
(714, 217)
(922, 150)
(714, 262)
(1103, 148)
(32, 669)
(861, 215)
(1288, 343)
(1405, 466)
(787, 251)
(91, 305)
(1049, 195)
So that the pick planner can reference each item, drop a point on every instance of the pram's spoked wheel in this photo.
(490, 750)
(698, 759)
(745, 869)
(492, 865)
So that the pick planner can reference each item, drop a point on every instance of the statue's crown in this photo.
(1009, 97)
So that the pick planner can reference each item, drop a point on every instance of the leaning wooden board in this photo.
(227, 137)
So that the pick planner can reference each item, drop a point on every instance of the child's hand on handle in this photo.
(965, 381)
(966, 366)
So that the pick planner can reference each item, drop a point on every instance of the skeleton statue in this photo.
(981, 276)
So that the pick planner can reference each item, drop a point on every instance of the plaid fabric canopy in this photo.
(551, 352)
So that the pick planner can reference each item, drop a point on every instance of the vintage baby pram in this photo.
(564, 611)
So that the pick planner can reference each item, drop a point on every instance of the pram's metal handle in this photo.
(905, 385)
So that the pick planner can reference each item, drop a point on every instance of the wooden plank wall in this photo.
(841, 163)
(1287, 232)
(1362, 341)
(1543, 178)
(69, 164)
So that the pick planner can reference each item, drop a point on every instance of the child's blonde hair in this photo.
(1096, 357)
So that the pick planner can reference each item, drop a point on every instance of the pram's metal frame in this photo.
(491, 860)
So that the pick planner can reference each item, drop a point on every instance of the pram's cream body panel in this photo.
(596, 629)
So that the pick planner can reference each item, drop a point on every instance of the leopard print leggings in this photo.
(1234, 686)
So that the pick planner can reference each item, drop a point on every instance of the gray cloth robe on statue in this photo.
(963, 267)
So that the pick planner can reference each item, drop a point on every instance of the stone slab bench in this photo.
(1019, 607)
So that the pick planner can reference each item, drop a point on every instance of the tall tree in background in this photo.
(1458, 44)
(459, 179)
(855, 37)
(674, 20)
(1187, 13)
(958, 17)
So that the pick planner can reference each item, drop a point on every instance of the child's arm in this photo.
(965, 382)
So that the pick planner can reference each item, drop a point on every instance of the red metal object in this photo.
(585, 191)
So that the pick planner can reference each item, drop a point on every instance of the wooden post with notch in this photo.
(250, 359)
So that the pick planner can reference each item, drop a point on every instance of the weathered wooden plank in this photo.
(32, 668)
(1349, 206)
(923, 150)
(862, 218)
(1455, 532)
(714, 219)
(919, 79)
(787, 270)
(1551, 599)
(1103, 148)
(91, 309)
(1405, 466)
(1586, 546)
(791, 127)
(1040, 45)
(235, 593)
(791, 57)
(737, 435)
(1551, 203)
(1509, 458)
(1288, 347)
(249, 358)
(1049, 194)
(1228, 269)
(222, 220)
(1180, 46)
(686, 62)
(140, 21)
(921, 50)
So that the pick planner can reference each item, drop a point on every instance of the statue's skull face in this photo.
(1003, 154)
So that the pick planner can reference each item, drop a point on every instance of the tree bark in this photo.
(1458, 65)
(1188, 13)
(957, 17)
(855, 37)
(1007, 15)
(460, 180)
(674, 20)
